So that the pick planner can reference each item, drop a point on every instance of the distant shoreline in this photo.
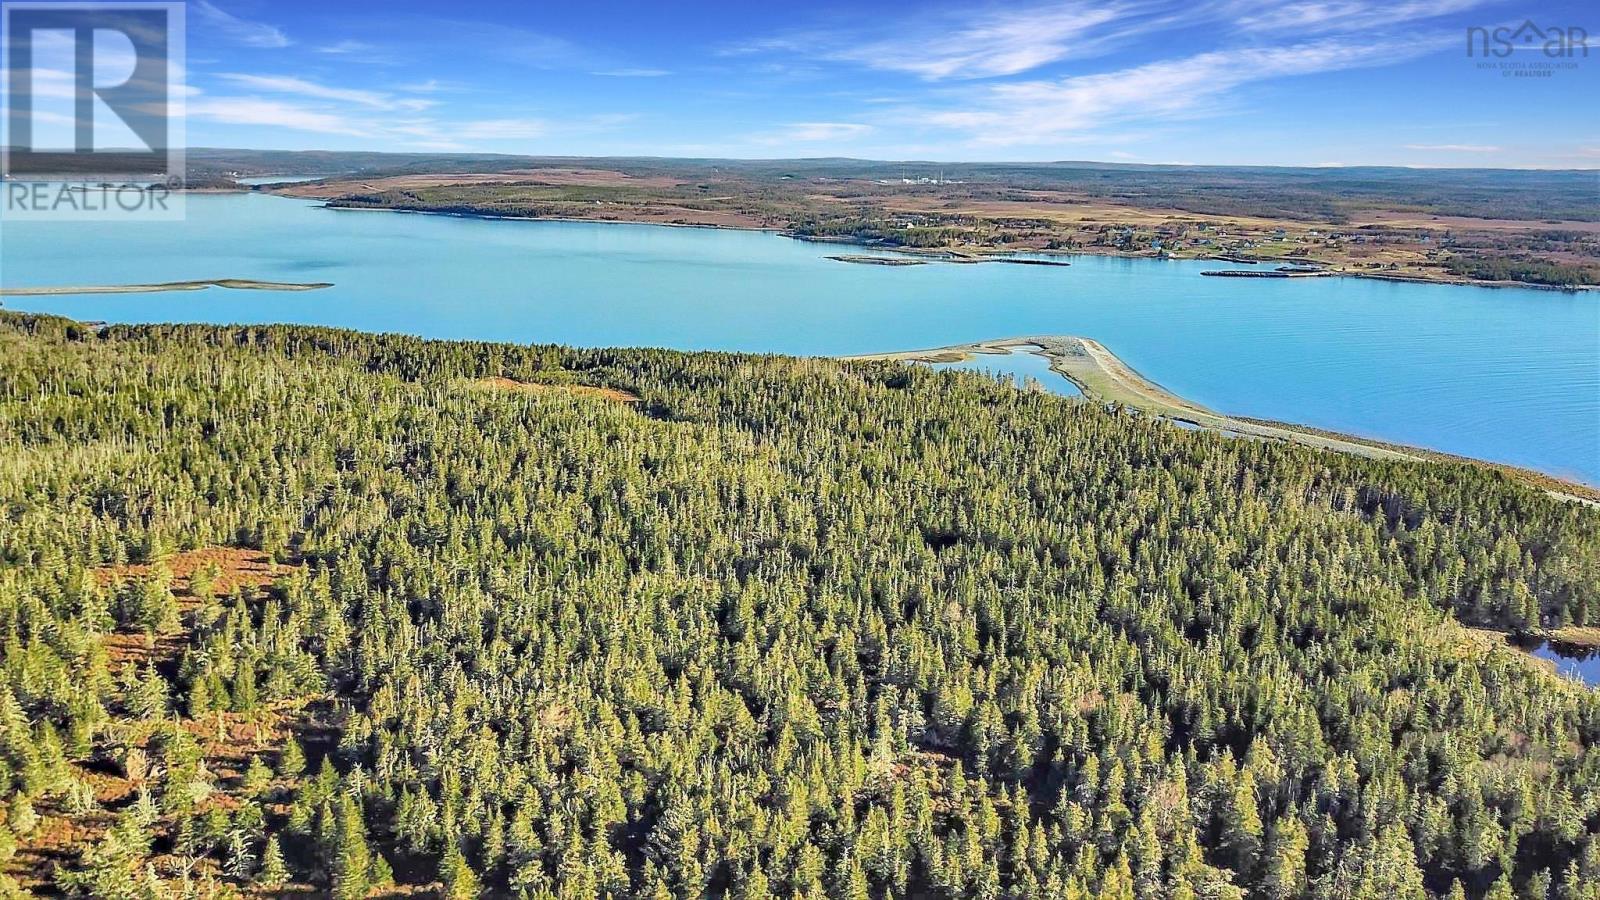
(953, 254)
(237, 284)
(1102, 377)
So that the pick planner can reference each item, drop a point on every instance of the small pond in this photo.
(1571, 660)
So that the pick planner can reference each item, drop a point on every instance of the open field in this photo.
(1104, 378)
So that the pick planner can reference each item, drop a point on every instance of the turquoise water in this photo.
(1510, 375)
(1024, 367)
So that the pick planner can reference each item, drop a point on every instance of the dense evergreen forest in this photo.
(296, 609)
(1523, 268)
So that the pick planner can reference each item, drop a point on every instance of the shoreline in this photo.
(236, 284)
(953, 254)
(1102, 377)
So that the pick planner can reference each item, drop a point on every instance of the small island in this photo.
(1283, 272)
(925, 258)
(880, 260)
(237, 284)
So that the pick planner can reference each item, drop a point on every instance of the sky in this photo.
(1324, 82)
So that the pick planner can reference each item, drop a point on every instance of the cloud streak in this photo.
(1044, 111)
(815, 133)
(1455, 148)
(1330, 16)
(377, 117)
(241, 31)
(1006, 43)
(990, 44)
(273, 113)
(288, 84)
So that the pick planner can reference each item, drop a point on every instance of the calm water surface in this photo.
(1022, 366)
(1511, 375)
(1574, 662)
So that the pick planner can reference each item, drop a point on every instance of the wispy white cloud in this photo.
(354, 51)
(501, 129)
(991, 43)
(634, 73)
(995, 44)
(430, 86)
(1455, 148)
(288, 84)
(477, 131)
(346, 48)
(242, 31)
(1325, 16)
(334, 111)
(815, 132)
(508, 44)
(1046, 111)
(274, 113)
(985, 44)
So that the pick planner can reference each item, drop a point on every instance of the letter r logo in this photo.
(50, 54)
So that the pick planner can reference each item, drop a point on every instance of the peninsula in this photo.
(237, 284)
(1105, 378)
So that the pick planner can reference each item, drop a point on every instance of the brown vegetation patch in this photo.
(1575, 635)
(252, 568)
(56, 841)
(237, 568)
(1062, 207)
(501, 383)
(596, 177)
(227, 741)
(1401, 219)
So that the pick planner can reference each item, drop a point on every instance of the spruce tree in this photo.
(351, 865)
(274, 872)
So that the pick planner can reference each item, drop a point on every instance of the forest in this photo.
(1521, 268)
(291, 611)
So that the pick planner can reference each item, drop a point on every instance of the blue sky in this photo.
(1327, 82)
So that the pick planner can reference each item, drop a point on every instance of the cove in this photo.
(1025, 368)
(1581, 663)
(1510, 375)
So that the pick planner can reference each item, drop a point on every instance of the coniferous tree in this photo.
(350, 866)
(292, 763)
(274, 872)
